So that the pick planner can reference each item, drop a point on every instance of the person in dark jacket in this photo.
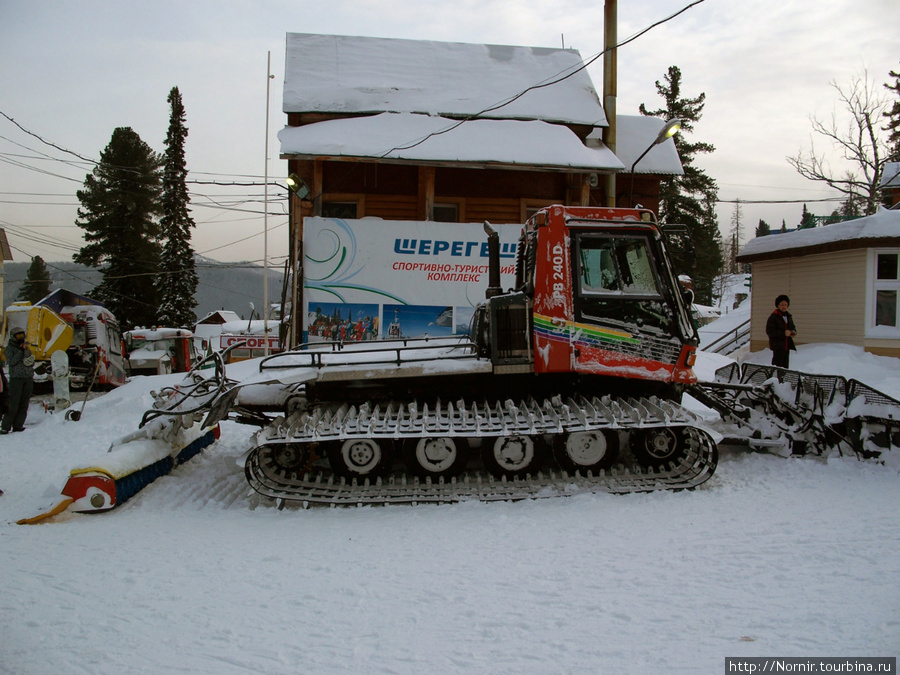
(21, 382)
(781, 331)
(4, 393)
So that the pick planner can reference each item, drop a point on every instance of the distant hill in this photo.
(222, 285)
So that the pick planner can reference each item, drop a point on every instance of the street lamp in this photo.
(297, 186)
(269, 77)
(671, 128)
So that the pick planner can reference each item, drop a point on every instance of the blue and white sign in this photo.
(370, 278)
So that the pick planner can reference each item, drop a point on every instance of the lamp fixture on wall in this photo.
(297, 186)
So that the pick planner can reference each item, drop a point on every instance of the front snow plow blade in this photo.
(789, 412)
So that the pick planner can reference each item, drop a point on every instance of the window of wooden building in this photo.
(344, 210)
(886, 292)
(446, 213)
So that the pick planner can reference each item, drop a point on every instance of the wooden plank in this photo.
(392, 207)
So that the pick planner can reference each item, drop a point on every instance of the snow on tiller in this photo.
(789, 412)
(169, 435)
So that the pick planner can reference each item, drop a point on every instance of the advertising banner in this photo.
(371, 279)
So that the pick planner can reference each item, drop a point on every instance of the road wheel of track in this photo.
(287, 456)
(658, 447)
(435, 457)
(360, 457)
(586, 450)
(284, 459)
(511, 456)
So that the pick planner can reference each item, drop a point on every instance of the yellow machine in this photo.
(45, 331)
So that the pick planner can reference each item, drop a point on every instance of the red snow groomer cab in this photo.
(597, 288)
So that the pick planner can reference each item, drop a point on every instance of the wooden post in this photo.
(426, 193)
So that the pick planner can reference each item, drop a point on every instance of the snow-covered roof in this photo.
(890, 176)
(352, 75)
(634, 134)
(423, 138)
(219, 316)
(252, 327)
(869, 231)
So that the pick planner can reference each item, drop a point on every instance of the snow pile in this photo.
(848, 361)
(794, 557)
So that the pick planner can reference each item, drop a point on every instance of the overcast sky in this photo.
(71, 71)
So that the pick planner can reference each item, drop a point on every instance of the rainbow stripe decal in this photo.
(557, 330)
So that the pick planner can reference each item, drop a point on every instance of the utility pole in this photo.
(610, 89)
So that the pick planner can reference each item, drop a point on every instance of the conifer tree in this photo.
(119, 203)
(178, 280)
(37, 282)
(690, 199)
(893, 119)
(762, 229)
(806, 219)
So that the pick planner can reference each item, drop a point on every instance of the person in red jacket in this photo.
(781, 331)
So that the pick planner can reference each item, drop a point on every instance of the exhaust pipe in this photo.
(494, 287)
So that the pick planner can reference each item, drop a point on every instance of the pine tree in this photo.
(763, 228)
(37, 282)
(893, 120)
(690, 199)
(807, 220)
(119, 203)
(178, 282)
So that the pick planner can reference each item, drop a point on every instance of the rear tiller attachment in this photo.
(789, 412)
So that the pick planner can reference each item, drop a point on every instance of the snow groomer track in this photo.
(277, 467)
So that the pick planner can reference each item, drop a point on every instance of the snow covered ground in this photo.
(771, 557)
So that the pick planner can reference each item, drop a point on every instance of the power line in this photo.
(45, 142)
(777, 201)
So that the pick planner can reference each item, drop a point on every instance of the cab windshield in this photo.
(618, 285)
(610, 266)
(152, 345)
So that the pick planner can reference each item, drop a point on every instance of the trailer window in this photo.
(115, 339)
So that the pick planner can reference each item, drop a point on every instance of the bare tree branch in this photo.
(859, 142)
